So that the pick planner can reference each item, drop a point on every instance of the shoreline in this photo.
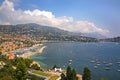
(21, 50)
(30, 53)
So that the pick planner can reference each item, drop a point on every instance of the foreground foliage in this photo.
(87, 74)
(70, 74)
(15, 69)
(21, 71)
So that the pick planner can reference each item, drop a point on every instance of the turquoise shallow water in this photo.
(81, 55)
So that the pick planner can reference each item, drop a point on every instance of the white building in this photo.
(58, 70)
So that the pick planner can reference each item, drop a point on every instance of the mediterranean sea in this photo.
(103, 59)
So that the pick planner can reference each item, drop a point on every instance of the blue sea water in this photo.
(80, 55)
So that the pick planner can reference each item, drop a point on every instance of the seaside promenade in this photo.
(28, 51)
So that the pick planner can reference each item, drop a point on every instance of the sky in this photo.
(85, 16)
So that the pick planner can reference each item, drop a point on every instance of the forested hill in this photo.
(44, 33)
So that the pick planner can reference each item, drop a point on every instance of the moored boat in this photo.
(95, 67)
(92, 61)
(107, 68)
(118, 70)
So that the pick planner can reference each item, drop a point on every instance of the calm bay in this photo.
(103, 59)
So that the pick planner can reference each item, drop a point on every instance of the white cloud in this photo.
(4, 23)
(8, 15)
(37, 12)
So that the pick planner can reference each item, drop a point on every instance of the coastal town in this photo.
(59, 39)
(10, 47)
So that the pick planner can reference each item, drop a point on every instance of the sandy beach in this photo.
(30, 53)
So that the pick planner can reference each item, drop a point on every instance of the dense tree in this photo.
(15, 61)
(63, 77)
(21, 71)
(86, 74)
(35, 66)
(8, 69)
(28, 61)
(74, 74)
(70, 74)
(7, 72)
(15, 69)
(7, 78)
(4, 58)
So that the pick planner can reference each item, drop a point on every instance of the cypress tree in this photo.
(74, 74)
(86, 74)
(70, 74)
(63, 77)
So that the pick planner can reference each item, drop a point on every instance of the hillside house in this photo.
(10, 56)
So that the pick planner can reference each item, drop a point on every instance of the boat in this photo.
(70, 60)
(118, 62)
(107, 68)
(95, 67)
(118, 70)
(109, 64)
(98, 64)
(92, 61)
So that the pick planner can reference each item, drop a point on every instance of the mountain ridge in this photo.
(47, 33)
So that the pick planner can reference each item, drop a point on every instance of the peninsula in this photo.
(30, 53)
